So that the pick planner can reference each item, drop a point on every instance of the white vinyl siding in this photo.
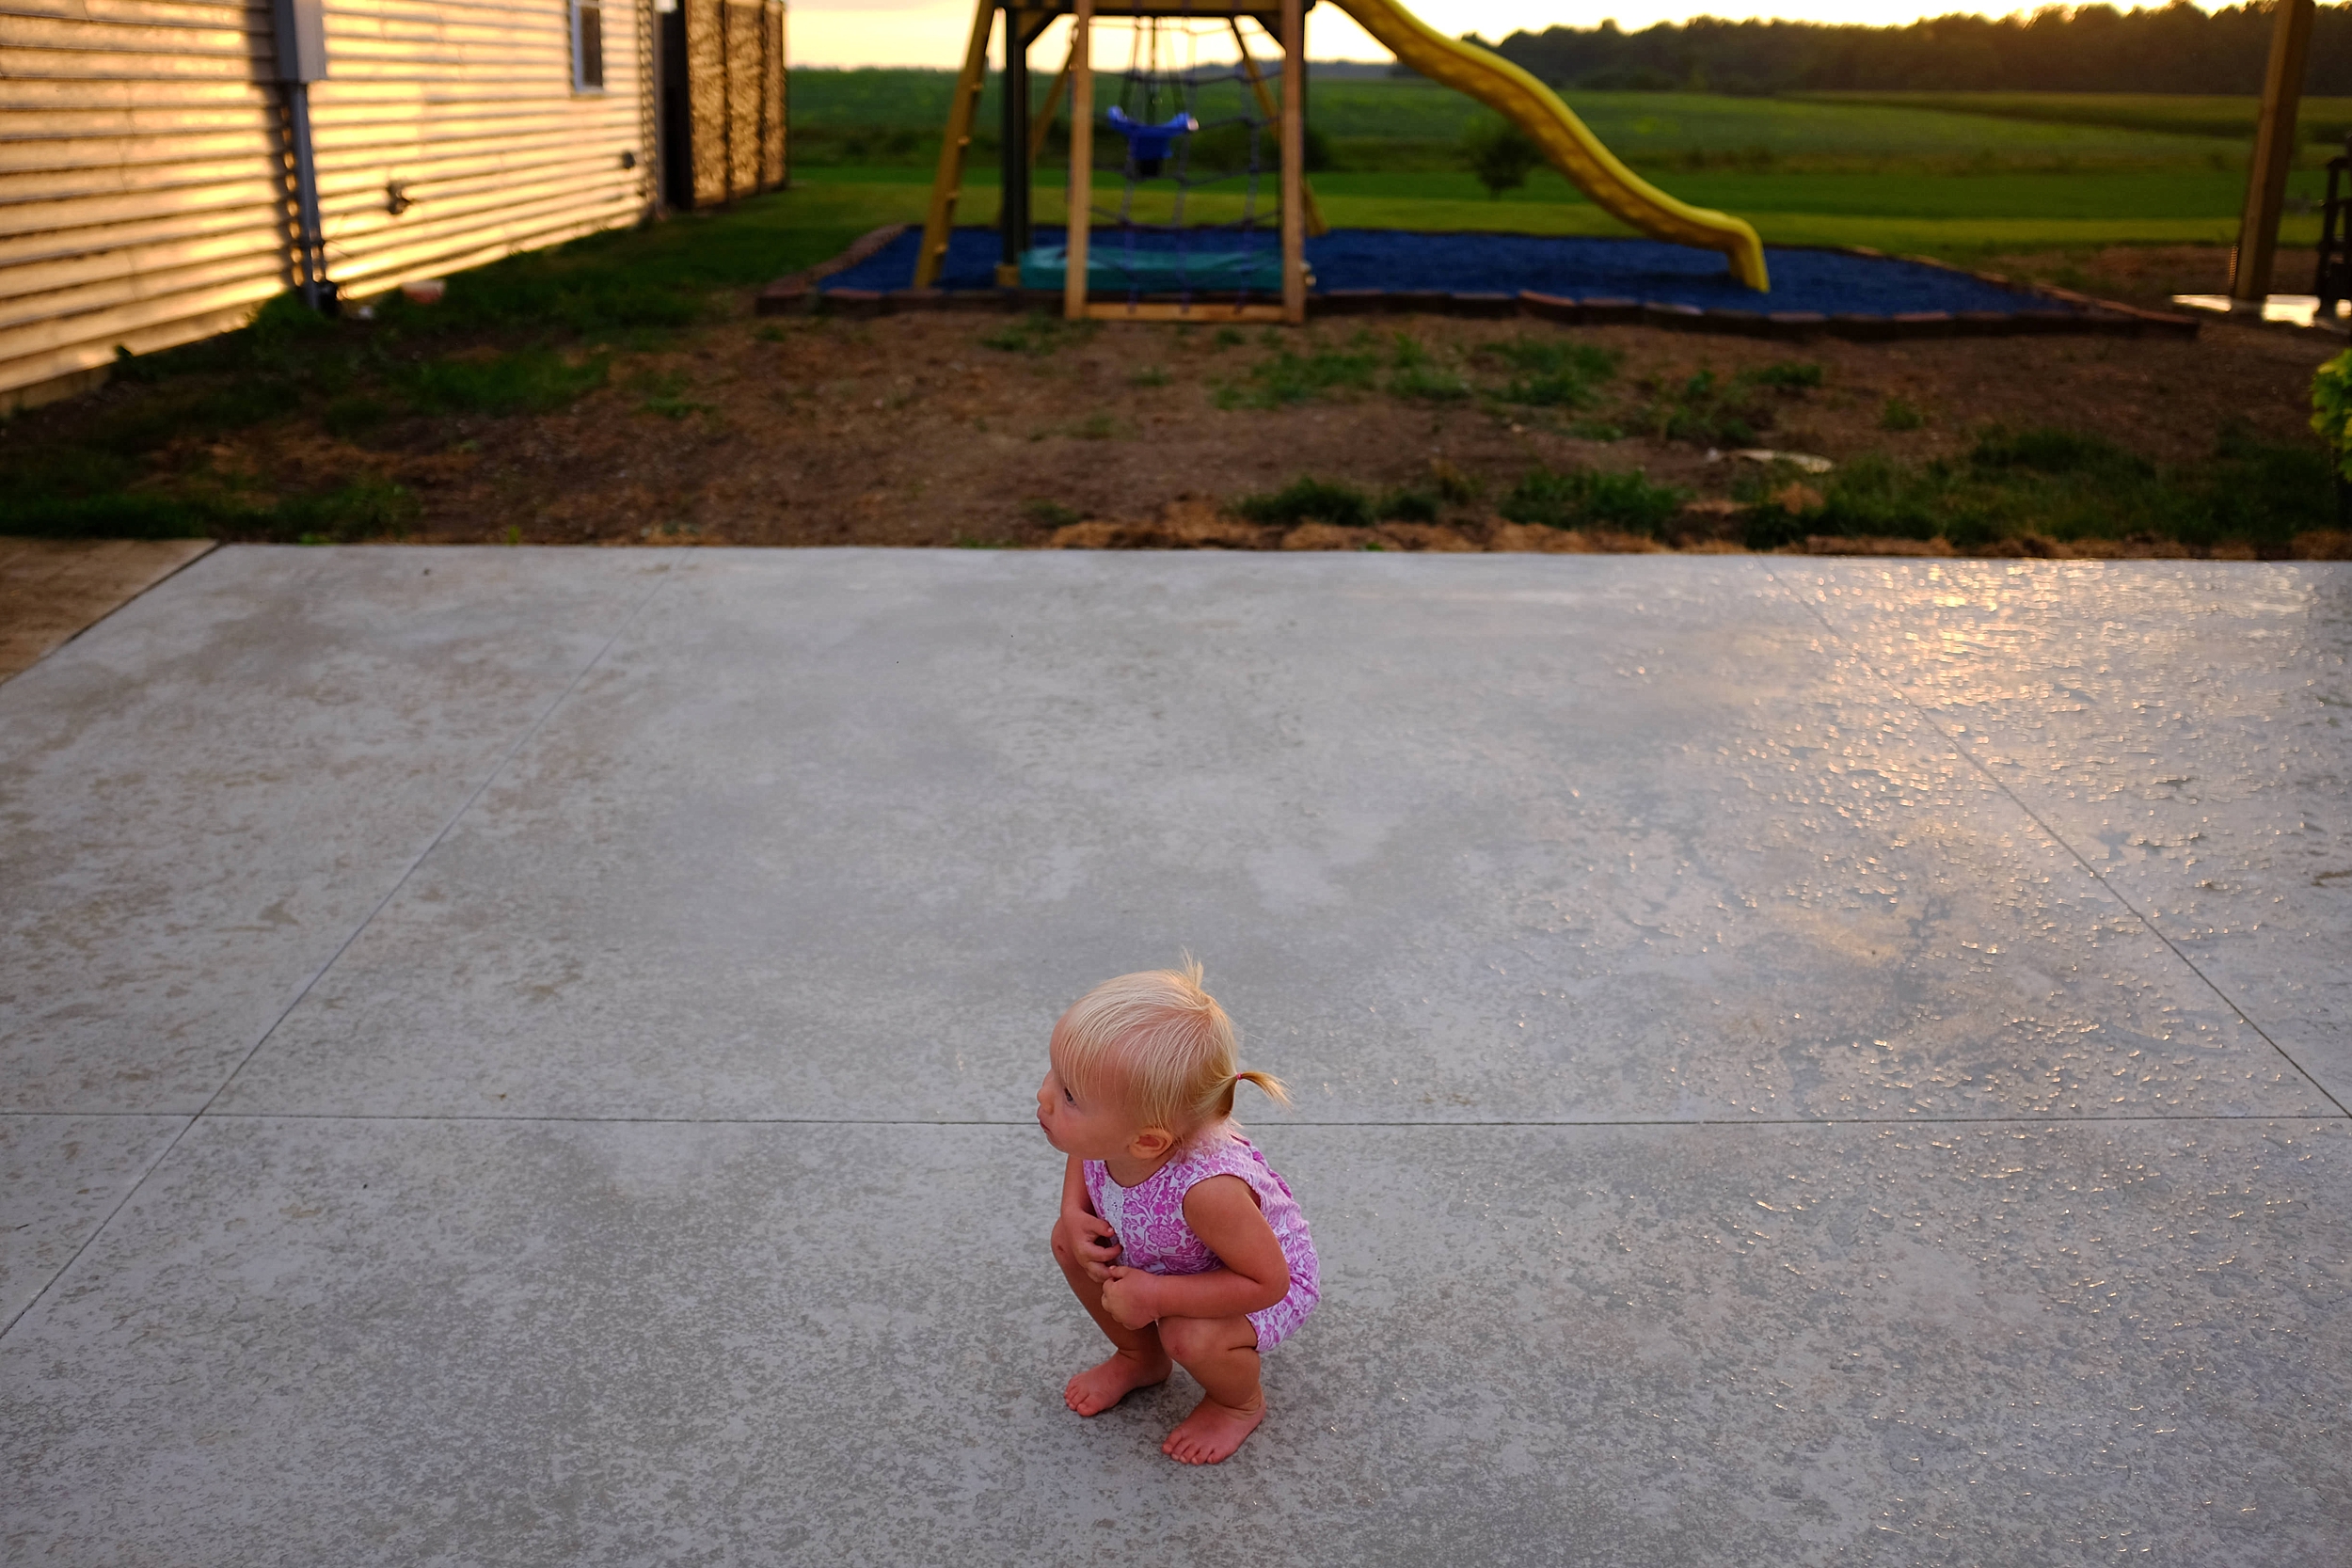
(142, 163)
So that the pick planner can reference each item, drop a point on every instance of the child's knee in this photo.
(1061, 1248)
(1189, 1340)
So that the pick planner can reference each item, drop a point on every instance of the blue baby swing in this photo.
(1158, 114)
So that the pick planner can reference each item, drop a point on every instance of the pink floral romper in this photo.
(1153, 1237)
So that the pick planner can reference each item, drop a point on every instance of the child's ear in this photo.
(1152, 1143)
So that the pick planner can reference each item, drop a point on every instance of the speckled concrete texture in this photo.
(1482, 842)
(2186, 730)
(59, 1176)
(1779, 1081)
(207, 795)
(435, 1341)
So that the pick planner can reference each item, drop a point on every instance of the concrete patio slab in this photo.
(530, 1063)
(209, 795)
(2186, 729)
(61, 1177)
(1468, 840)
(402, 1341)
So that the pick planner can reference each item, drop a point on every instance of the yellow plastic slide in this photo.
(1574, 151)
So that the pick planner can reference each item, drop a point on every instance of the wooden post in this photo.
(1012, 180)
(1266, 106)
(1293, 160)
(1045, 124)
(1073, 288)
(948, 183)
(2273, 154)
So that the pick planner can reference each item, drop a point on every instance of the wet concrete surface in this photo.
(2186, 732)
(1746, 1116)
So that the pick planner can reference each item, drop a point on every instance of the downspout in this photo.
(301, 27)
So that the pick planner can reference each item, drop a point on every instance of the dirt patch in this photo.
(2149, 275)
(945, 428)
(911, 430)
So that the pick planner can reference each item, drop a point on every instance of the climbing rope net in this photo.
(1197, 210)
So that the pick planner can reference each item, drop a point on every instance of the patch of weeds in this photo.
(1582, 497)
(1551, 373)
(1408, 505)
(527, 381)
(1786, 375)
(194, 410)
(1151, 375)
(364, 509)
(2047, 450)
(770, 334)
(2063, 487)
(2267, 493)
(1047, 514)
(1703, 409)
(1226, 336)
(1096, 427)
(1039, 335)
(664, 394)
(1304, 500)
(1899, 416)
(560, 288)
(1414, 373)
(1452, 484)
(1291, 377)
(118, 515)
(354, 416)
(1595, 430)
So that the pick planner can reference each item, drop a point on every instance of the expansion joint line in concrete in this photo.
(628, 618)
(1696, 1123)
(2034, 817)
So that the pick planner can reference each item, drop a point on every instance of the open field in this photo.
(1953, 219)
(2322, 119)
(1909, 177)
(2042, 129)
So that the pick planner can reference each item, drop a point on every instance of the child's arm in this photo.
(1223, 1213)
(1089, 1236)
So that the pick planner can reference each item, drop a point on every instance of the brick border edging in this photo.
(2070, 313)
(797, 290)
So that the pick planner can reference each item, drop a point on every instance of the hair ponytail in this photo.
(1271, 1086)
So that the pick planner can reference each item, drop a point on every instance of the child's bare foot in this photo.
(1098, 1388)
(1213, 1431)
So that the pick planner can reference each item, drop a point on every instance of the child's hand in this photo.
(1132, 1296)
(1092, 1241)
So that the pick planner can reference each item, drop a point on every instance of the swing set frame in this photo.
(1024, 139)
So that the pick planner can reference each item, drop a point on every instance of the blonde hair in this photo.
(1160, 1046)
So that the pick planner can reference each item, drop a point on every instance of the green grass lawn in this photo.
(1948, 174)
(2041, 126)
(2321, 119)
(1957, 217)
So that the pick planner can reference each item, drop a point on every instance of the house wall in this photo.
(143, 162)
(139, 189)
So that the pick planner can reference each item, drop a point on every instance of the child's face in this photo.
(1088, 1127)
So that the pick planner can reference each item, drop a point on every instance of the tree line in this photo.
(2173, 49)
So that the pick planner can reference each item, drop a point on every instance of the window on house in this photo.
(587, 46)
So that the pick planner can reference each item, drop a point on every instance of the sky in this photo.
(932, 32)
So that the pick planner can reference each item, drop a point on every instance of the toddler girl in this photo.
(1177, 1238)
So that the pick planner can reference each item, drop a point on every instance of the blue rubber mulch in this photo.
(1828, 281)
